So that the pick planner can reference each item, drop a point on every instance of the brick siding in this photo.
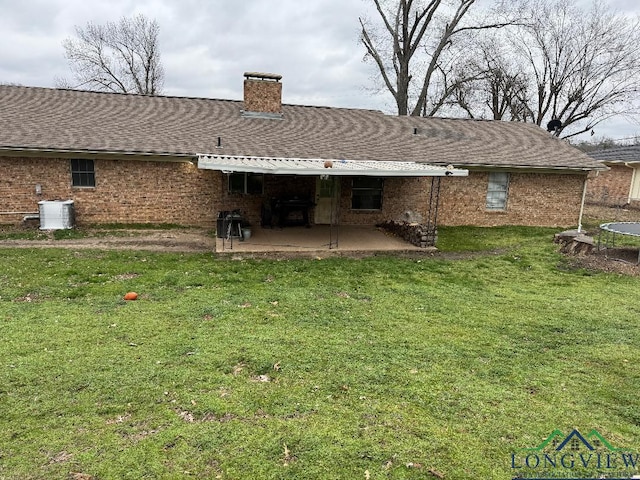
(18, 185)
(126, 191)
(141, 191)
(262, 96)
(611, 187)
(535, 199)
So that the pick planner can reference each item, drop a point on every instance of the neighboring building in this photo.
(620, 185)
(132, 158)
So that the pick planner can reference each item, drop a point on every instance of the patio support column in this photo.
(335, 212)
(432, 215)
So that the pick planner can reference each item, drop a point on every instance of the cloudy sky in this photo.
(207, 45)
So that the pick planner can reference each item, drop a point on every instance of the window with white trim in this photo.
(249, 183)
(497, 191)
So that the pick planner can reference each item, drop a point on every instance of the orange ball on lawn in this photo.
(131, 296)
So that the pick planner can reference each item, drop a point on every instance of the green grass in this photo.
(11, 233)
(475, 239)
(340, 368)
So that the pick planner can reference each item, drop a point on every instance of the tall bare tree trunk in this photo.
(409, 50)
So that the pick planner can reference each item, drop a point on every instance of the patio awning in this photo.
(319, 167)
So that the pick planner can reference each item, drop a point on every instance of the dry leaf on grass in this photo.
(186, 416)
(61, 457)
(238, 368)
(287, 456)
(436, 473)
(119, 419)
(80, 476)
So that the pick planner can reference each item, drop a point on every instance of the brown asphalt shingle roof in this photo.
(68, 120)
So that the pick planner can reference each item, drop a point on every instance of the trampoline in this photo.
(610, 231)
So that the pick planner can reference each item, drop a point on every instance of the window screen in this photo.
(497, 191)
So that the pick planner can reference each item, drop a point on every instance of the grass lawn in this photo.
(382, 367)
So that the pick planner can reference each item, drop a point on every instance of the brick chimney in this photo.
(262, 93)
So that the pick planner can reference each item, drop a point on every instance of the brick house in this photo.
(620, 185)
(143, 159)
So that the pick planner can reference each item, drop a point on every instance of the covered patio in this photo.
(319, 238)
(324, 226)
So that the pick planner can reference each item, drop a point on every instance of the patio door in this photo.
(327, 198)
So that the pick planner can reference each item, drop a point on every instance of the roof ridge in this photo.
(123, 94)
(616, 148)
(180, 97)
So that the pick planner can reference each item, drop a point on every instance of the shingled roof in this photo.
(628, 154)
(58, 120)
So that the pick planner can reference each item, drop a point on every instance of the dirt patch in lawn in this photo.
(189, 240)
(620, 260)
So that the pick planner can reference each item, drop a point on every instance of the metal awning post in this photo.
(432, 216)
(334, 218)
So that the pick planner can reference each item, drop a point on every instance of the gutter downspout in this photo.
(633, 180)
(584, 195)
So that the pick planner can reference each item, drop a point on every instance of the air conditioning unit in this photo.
(56, 214)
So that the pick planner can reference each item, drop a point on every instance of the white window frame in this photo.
(497, 191)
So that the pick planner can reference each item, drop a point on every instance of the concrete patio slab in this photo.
(318, 238)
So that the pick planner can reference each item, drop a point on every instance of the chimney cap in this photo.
(263, 76)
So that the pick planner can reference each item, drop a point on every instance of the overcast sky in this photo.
(207, 45)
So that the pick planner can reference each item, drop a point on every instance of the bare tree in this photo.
(576, 67)
(498, 87)
(117, 57)
(415, 50)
